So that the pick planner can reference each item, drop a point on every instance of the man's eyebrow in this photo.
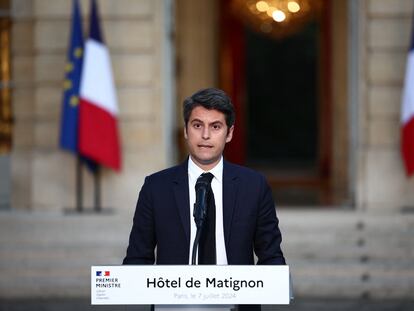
(214, 122)
(217, 122)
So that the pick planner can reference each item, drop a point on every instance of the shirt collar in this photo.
(195, 171)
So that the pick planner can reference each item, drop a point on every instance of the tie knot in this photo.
(206, 178)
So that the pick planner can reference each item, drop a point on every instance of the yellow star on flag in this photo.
(78, 52)
(67, 84)
(68, 67)
(74, 101)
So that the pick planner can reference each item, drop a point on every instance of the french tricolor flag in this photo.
(407, 112)
(98, 111)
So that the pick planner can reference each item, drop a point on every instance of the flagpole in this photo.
(96, 179)
(79, 185)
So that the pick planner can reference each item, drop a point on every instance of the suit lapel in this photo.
(230, 189)
(180, 186)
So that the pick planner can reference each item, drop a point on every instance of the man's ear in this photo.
(230, 134)
(185, 131)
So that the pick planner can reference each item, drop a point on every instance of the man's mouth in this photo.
(205, 146)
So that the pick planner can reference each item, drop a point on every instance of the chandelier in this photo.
(276, 18)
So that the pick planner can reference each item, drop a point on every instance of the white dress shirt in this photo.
(217, 186)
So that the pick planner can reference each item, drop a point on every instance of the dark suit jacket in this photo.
(162, 219)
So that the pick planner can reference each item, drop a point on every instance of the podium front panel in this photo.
(189, 285)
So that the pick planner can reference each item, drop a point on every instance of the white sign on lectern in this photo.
(185, 285)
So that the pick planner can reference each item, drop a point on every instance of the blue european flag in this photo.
(73, 70)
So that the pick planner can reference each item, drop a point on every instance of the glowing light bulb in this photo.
(293, 6)
(279, 16)
(270, 11)
(262, 6)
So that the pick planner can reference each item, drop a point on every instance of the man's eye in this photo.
(197, 125)
(216, 126)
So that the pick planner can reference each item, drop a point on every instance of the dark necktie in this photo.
(207, 246)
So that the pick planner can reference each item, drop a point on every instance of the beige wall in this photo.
(385, 30)
(197, 24)
(196, 48)
(43, 175)
(340, 121)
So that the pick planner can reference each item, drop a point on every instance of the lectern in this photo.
(166, 286)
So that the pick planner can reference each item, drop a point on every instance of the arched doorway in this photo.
(290, 97)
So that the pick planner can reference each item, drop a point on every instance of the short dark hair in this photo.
(210, 98)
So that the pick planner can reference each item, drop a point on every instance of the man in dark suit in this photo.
(245, 218)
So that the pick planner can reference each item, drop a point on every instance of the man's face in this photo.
(207, 134)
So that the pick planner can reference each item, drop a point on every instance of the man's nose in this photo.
(206, 133)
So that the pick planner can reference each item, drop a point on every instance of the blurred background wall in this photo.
(317, 113)
(332, 141)
(43, 176)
